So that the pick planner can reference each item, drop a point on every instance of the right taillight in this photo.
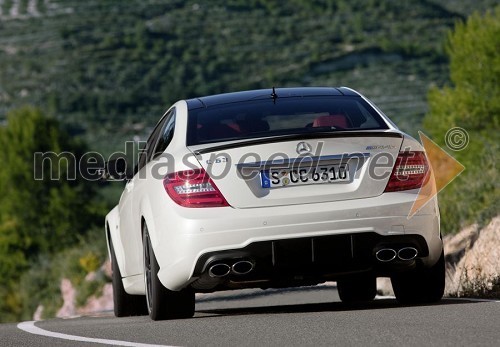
(410, 172)
(193, 188)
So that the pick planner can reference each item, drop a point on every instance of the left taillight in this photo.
(193, 188)
(411, 171)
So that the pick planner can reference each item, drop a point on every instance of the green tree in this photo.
(472, 102)
(37, 216)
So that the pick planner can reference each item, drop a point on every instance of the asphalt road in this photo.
(311, 316)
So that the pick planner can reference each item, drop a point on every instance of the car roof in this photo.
(219, 99)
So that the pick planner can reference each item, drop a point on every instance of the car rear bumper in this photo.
(185, 239)
(306, 260)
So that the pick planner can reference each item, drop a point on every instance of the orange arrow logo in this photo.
(443, 169)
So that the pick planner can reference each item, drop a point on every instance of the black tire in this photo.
(125, 304)
(357, 289)
(422, 285)
(163, 303)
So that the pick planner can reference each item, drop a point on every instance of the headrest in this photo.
(332, 120)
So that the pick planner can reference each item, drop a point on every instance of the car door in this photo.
(130, 202)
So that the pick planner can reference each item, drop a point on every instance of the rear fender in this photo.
(148, 219)
(113, 237)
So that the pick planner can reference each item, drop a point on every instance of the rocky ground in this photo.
(473, 261)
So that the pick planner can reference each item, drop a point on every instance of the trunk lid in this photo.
(290, 170)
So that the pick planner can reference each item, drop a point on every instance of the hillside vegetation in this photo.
(43, 216)
(472, 102)
(112, 67)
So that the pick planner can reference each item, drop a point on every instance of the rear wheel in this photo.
(124, 304)
(161, 302)
(357, 289)
(422, 285)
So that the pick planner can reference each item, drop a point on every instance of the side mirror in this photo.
(117, 170)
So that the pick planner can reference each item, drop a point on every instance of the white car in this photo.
(273, 188)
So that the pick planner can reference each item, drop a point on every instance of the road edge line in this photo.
(30, 327)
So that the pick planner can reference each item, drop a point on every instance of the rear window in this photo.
(285, 116)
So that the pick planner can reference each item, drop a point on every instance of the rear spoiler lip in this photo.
(297, 137)
(308, 160)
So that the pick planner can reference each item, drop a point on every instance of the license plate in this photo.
(274, 178)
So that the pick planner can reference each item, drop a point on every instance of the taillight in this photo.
(410, 172)
(193, 188)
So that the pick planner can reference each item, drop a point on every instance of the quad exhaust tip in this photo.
(407, 253)
(385, 255)
(242, 267)
(219, 270)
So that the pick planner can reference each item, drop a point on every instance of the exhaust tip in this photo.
(219, 270)
(385, 255)
(242, 267)
(407, 253)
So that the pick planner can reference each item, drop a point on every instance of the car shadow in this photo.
(378, 304)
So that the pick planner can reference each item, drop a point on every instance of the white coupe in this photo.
(273, 188)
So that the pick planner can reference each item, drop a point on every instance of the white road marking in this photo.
(31, 328)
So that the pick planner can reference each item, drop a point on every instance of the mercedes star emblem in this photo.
(304, 148)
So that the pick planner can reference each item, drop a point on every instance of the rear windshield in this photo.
(285, 116)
